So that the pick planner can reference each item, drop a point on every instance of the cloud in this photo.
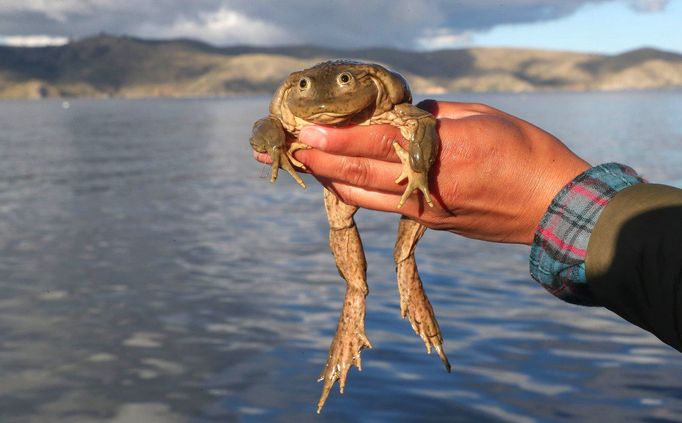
(444, 38)
(649, 6)
(341, 23)
(217, 27)
(33, 41)
(54, 10)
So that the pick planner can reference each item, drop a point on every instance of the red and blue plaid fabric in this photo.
(557, 257)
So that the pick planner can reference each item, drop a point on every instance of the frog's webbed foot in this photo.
(414, 304)
(345, 349)
(268, 135)
(415, 180)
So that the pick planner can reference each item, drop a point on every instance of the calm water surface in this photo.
(150, 273)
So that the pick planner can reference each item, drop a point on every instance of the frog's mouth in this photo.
(328, 118)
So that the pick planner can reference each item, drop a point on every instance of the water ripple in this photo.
(151, 273)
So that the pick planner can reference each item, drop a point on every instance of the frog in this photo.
(343, 93)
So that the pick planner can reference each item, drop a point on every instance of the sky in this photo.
(603, 26)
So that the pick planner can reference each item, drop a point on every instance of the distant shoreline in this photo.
(454, 94)
(124, 67)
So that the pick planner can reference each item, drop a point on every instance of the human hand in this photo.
(494, 177)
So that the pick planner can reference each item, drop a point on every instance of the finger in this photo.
(371, 174)
(262, 157)
(371, 141)
(458, 110)
(373, 200)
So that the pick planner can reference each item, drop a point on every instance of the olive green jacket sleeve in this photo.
(634, 259)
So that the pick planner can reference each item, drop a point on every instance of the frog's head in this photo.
(334, 92)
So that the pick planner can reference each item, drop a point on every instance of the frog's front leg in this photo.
(350, 338)
(414, 304)
(268, 135)
(419, 127)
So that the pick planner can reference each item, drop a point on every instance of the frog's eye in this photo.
(344, 78)
(304, 83)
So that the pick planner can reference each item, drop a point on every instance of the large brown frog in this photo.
(341, 93)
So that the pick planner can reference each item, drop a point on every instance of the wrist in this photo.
(557, 257)
(546, 188)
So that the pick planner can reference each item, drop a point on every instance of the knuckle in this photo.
(355, 171)
(346, 194)
(481, 107)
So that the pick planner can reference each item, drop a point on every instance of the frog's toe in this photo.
(427, 195)
(294, 147)
(275, 166)
(295, 162)
(443, 357)
(283, 159)
(415, 180)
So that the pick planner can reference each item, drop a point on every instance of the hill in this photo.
(130, 67)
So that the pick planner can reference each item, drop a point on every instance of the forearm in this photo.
(634, 259)
(610, 240)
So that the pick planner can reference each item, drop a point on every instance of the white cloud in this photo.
(444, 38)
(220, 26)
(32, 40)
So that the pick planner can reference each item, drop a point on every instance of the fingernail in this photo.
(429, 105)
(314, 136)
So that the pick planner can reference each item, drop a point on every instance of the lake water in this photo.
(150, 273)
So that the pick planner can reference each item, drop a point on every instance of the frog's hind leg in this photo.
(414, 304)
(350, 338)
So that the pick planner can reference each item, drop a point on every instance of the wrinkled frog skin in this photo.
(341, 93)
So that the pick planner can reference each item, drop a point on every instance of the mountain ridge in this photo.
(111, 66)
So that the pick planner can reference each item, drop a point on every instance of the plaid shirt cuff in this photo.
(557, 257)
